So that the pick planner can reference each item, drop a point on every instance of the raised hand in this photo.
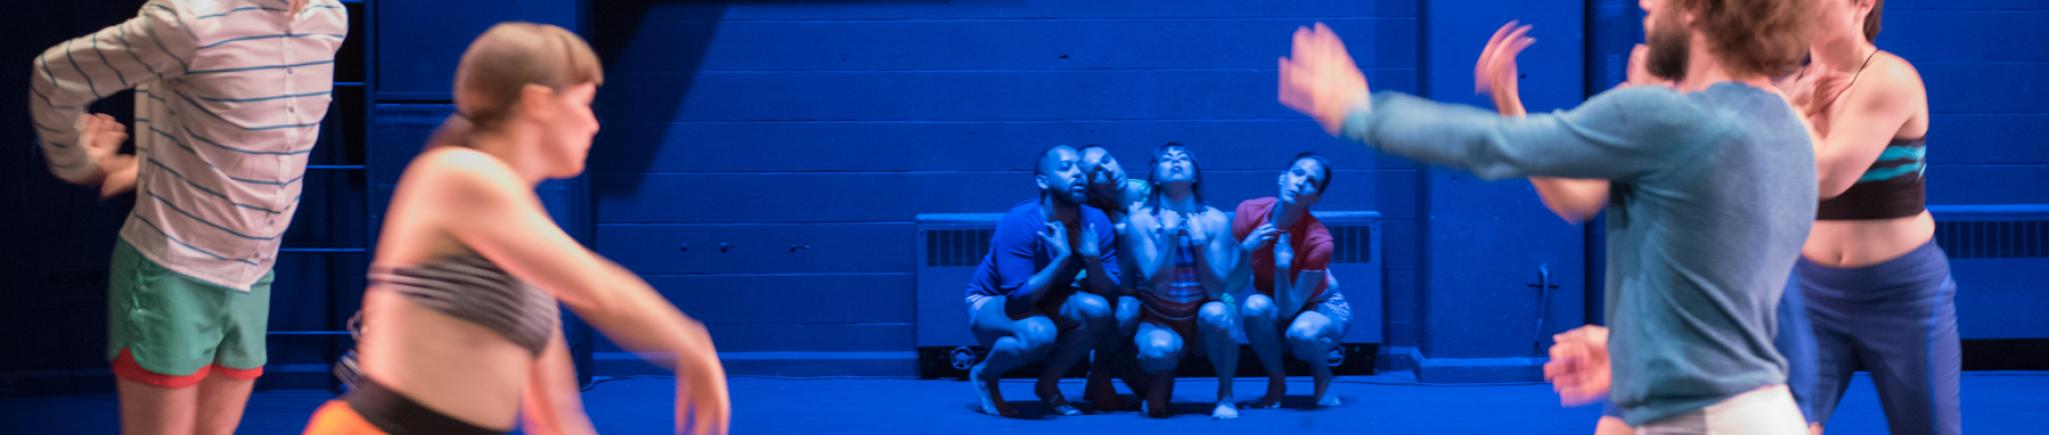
(1319, 79)
(1055, 236)
(1260, 238)
(1284, 254)
(1198, 231)
(1495, 72)
(1090, 247)
(1639, 67)
(1172, 222)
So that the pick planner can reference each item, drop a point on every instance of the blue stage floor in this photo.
(1994, 403)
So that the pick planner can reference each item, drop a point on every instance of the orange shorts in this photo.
(126, 368)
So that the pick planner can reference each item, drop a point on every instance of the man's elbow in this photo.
(1581, 215)
(1573, 212)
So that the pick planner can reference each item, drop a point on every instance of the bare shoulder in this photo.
(1895, 74)
(1137, 188)
(1141, 209)
(1142, 217)
(1215, 216)
(460, 173)
(439, 188)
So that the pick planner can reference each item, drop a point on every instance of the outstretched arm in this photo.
(1496, 75)
(491, 210)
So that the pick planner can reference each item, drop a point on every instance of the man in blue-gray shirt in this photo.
(1713, 193)
(1039, 294)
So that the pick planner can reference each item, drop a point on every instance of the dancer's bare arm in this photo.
(491, 210)
(1870, 117)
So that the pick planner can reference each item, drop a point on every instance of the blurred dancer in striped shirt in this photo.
(229, 95)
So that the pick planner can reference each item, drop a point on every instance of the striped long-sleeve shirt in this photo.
(229, 95)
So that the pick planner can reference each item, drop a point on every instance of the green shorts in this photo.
(172, 325)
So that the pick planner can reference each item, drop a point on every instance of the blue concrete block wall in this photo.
(804, 136)
(1984, 61)
(829, 126)
(1488, 308)
(419, 42)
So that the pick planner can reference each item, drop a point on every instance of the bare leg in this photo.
(1084, 316)
(1012, 344)
(1159, 353)
(1214, 323)
(221, 401)
(1262, 330)
(1113, 357)
(1311, 336)
(149, 409)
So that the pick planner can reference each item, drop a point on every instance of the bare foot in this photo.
(1276, 388)
(1328, 401)
(991, 396)
(1155, 408)
(1158, 395)
(1224, 411)
(1049, 393)
(1323, 397)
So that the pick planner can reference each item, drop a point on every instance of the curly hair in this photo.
(1768, 37)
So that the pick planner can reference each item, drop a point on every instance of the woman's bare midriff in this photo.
(1859, 243)
(449, 365)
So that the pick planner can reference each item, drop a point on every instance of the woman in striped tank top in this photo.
(460, 329)
(1877, 286)
(1187, 260)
